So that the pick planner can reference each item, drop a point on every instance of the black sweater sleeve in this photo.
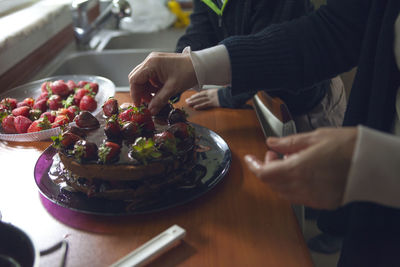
(227, 100)
(200, 34)
(301, 52)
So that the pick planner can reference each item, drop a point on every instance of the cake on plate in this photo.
(125, 153)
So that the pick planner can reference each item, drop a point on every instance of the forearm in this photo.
(375, 170)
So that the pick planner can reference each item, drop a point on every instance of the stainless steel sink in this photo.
(112, 64)
(117, 53)
(165, 39)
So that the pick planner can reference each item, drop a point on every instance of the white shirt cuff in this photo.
(375, 170)
(211, 65)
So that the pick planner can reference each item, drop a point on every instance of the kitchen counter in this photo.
(240, 222)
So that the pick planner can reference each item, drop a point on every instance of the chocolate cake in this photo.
(126, 154)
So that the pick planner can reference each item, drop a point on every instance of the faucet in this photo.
(83, 30)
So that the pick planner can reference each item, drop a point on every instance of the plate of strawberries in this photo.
(36, 111)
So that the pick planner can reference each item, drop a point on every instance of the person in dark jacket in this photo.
(322, 104)
(357, 166)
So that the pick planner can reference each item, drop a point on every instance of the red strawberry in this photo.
(108, 151)
(60, 88)
(41, 104)
(110, 107)
(126, 115)
(8, 125)
(93, 87)
(50, 116)
(39, 125)
(9, 103)
(46, 87)
(66, 112)
(88, 103)
(29, 101)
(21, 111)
(43, 95)
(55, 102)
(82, 84)
(79, 94)
(141, 115)
(59, 121)
(71, 86)
(112, 129)
(74, 109)
(22, 104)
(22, 124)
(85, 151)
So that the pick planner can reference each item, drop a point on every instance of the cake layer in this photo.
(116, 172)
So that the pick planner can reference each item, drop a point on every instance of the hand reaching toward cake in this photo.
(163, 75)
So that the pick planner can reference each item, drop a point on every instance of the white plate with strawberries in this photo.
(35, 111)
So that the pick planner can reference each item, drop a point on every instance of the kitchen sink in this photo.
(115, 55)
(164, 39)
(112, 64)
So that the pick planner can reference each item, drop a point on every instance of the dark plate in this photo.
(211, 167)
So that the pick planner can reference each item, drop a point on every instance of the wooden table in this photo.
(241, 222)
